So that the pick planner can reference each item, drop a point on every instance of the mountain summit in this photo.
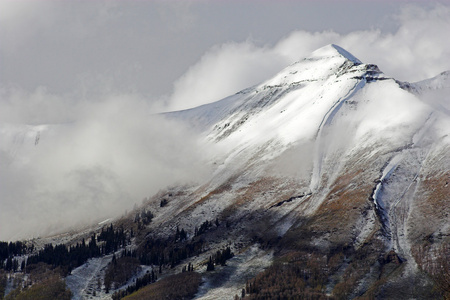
(330, 103)
(330, 180)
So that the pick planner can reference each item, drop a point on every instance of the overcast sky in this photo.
(99, 70)
(154, 48)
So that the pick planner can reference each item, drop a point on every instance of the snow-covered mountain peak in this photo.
(329, 102)
(325, 78)
(324, 63)
(333, 50)
(441, 81)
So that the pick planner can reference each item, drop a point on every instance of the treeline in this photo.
(160, 252)
(13, 249)
(189, 276)
(175, 248)
(168, 251)
(113, 239)
(157, 252)
(7, 253)
(222, 256)
(67, 257)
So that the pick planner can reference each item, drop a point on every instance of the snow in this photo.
(441, 81)
(321, 111)
(335, 102)
(326, 121)
(84, 280)
(346, 54)
(296, 105)
(229, 280)
(387, 172)
(104, 221)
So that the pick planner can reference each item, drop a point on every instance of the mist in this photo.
(107, 156)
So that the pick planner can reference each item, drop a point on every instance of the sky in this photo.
(158, 49)
(100, 70)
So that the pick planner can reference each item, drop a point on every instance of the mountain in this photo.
(330, 180)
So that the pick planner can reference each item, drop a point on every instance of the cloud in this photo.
(109, 155)
(223, 70)
(37, 107)
(419, 49)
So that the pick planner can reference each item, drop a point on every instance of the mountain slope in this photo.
(337, 142)
(329, 104)
(368, 142)
(330, 179)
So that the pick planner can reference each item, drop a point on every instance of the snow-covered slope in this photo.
(330, 149)
(441, 81)
(330, 103)
(336, 140)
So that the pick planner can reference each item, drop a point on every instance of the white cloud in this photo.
(224, 70)
(418, 50)
(110, 154)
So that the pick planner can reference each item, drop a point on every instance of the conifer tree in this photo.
(210, 266)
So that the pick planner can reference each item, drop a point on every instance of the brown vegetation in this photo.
(52, 287)
(180, 286)
(226, 186)
(435, 261)
(344, 204)
(432, 205)
(288, 281)
(436, 189)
